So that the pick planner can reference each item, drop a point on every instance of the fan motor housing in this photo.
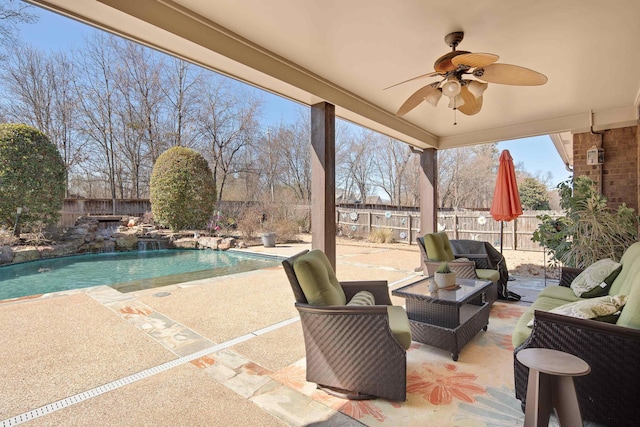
(444, 64)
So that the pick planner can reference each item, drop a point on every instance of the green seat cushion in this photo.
(563, 293)
(317, 279)
(399, 325)
(521, 331)
(487, 274)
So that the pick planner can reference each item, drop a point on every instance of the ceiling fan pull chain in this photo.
(455, 112)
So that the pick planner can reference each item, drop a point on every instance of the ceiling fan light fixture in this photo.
(477, 88)
(456, 102)
(434, 97)
(451, 88)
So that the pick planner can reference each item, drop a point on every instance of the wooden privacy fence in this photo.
(471, 225)
(72, 209)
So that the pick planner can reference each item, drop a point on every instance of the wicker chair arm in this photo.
(480, 260)
(568, 274)
(463, 269)
(348, 310)
(379, 289)
(608, 394)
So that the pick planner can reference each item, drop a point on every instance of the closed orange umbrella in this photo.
(506, 200)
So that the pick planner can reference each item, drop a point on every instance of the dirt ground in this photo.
(519, 263)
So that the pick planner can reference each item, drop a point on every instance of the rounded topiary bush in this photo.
(32, 176)
(183, 190)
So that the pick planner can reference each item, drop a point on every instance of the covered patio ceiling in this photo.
(346, 53)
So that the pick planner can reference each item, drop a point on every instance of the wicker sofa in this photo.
(608, 395)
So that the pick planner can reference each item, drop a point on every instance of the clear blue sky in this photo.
(55, 32)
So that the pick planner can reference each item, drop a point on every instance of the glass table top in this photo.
(467, 288)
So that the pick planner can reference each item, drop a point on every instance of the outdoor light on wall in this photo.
(595, 155)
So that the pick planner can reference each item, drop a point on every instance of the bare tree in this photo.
(391, 168)
(181, 82)
(293, 151)
(12, 13)
(357, 162)
(466, 176)
(97, 92)
(139, 109)
(42, 94)
(228, 124)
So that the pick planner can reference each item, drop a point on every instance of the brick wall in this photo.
(618, 176)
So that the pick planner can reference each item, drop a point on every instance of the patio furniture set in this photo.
(356, 340)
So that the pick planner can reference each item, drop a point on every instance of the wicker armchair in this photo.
(608, 395)
(476, 267)
(351, 351)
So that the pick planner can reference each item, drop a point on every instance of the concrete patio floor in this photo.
(197, 353)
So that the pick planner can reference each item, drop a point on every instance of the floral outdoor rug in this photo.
(477, 390)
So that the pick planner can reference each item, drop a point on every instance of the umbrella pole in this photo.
(501, 234)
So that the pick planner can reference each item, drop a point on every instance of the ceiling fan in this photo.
(456, 69)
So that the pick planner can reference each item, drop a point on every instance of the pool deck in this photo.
(197, 353)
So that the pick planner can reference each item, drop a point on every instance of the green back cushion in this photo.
(438, 247)
(630, 269)
(317, 279)
(630, 316)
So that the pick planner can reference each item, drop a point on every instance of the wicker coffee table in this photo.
(446, 319)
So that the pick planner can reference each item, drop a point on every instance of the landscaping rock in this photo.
(25, 254)
(6, 254)
(227, 243)
(186, 243)
(52, 251)
(209, 242)
(125, 242)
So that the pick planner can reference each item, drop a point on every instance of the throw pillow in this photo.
(603, 288)
(593, 308)
(362, 298)
(593, 276)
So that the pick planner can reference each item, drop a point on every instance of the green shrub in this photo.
(589, 231)
(32, 176)
(183, 190)
(381, 235)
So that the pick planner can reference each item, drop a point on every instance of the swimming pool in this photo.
(124, 271)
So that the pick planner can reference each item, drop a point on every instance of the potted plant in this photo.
(444, 277)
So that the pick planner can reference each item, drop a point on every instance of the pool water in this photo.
(124, 271)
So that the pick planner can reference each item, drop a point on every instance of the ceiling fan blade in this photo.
(414, 100)
(472, 105)
(432, 74)
(475, 60)
(507, 74)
